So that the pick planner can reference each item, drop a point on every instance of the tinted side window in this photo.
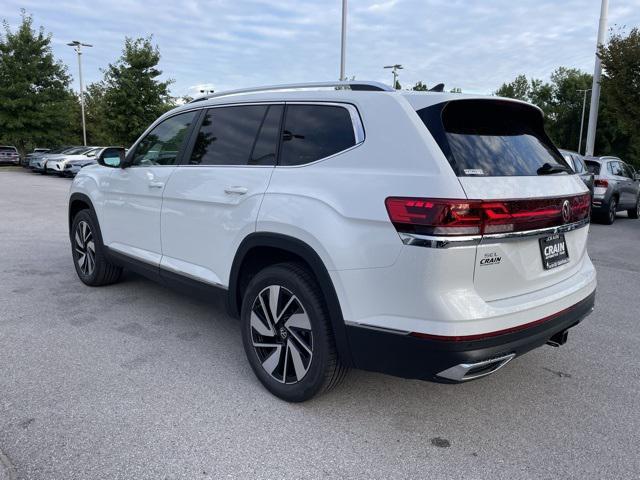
(616, 169)
(227, 135)
(593, 167)
(162, 144)
(312, 132)
(626, 170)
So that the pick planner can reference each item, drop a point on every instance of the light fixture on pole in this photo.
(78, 48)
(394, 70)
(343, 42)
(595, 94)
(207, 92)
(584, 104)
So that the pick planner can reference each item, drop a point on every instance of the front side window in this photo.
(491, 138)
(312, 132)
(162, 145)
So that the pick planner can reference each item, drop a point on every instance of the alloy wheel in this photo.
(281, 334)
(612, 210)
(85, 248)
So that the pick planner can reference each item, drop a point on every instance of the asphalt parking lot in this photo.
(134, 381)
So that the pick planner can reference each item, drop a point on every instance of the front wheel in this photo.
(89, 258)
(634, 212)
(287, 335)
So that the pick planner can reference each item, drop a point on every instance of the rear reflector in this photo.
(437, 216)
(601, 183)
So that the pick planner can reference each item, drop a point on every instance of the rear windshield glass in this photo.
(593, 167)
(491, 137)
(8, 149)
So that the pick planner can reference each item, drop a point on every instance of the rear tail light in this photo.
(478, 217)
(601, 183)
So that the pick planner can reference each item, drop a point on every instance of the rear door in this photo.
(212, 200)
(503, 157)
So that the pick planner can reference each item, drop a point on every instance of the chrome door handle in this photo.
(238, 190)
(156, 184)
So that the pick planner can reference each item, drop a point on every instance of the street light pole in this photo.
(584, 104)
(78, 48)
(595, 94)
(343, 42)
(394, 70)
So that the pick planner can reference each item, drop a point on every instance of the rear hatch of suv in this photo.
(522, 198)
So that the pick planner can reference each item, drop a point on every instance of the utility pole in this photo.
(78, 48)
(343, 43)
(394, 70)
(595, 93)
(584, 104)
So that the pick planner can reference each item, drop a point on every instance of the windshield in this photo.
(492, 138)
(8, 149)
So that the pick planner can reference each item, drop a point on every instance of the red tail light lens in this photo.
(476, 217)
(601, 183)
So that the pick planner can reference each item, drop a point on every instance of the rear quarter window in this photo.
(491, 137)
(313, 132)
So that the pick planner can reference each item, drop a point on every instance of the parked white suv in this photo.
(421, 234)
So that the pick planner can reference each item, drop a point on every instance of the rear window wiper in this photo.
(548, 169)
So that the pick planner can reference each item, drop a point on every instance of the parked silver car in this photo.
(39, 164)
(616, 188)
(9, 154)
(37, 152)
(576, 162)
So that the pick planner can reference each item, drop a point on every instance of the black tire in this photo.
(634, 212)
(95, 270)
(299, 296)
(610, 216)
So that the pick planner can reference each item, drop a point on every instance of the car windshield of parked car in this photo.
(492, 138)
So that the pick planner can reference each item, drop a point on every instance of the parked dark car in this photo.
(576, 162)
(616, 188)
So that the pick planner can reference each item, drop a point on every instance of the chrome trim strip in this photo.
(459, 372)
(379, 329)
(431, 241)
(175, 271)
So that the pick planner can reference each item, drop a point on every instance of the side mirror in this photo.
(112, 157)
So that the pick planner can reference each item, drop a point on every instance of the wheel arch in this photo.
(78, 202)
(261, 249)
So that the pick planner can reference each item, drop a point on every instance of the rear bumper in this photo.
(408, 356)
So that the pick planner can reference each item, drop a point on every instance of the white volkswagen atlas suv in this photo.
(421, 234)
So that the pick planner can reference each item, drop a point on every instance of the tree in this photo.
(133, 95)
(420, 87)
(397, 86)
(621, 80)
(518, 89)
(37, 107)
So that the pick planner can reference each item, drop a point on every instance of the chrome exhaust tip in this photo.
(470, 371)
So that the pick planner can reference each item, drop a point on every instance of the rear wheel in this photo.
(89, 258)
(610, 216)
(634, 212)
(287, 335)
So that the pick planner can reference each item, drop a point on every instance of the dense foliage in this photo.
(37, 105)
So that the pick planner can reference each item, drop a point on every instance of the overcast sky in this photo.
(472, 44)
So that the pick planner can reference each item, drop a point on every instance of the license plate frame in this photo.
(554, 251)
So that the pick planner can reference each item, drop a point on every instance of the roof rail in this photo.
(352, 85)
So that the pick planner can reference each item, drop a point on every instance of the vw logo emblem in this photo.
(566, 211)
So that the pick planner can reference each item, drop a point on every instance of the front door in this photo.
(133, 198)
